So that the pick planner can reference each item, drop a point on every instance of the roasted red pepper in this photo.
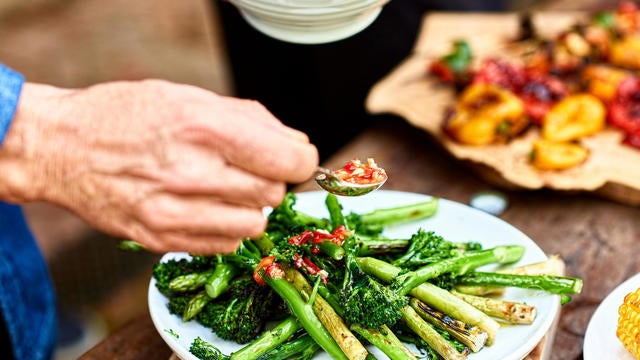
(305, 263)
(337, 236)
(538, 91)
(624, 110)
(357, 172)
(270, 267)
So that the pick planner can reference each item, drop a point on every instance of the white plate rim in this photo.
(600, 340)
(524, 343)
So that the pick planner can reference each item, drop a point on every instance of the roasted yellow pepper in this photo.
(553, 155)
(625, 52)
(486, 114)
(602, 81)
(574, 117)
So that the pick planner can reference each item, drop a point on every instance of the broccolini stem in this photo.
(549, 283)
(302, 348)
(471, 336)
(349, 344)
(335, 211)
(430, 335)
(189, 282)
(305, 315)
(370, 246)
(332, 250)
(401, 214)
(457, 266)
(263, 243)
(436, 297)
(479, 290)
(130, 245)
(218, 282)
(554, 265)
(512, 312)
(385, 340)
(268, 340)
(195, 305)
(551, 266)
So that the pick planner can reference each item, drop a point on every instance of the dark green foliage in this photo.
(366, 301)
(178, 303)
(164, 272)
(204, 350)
(369, 303)
(239, 315)
(284, 220)
(354, 222)
(301, 348)
(427, 247)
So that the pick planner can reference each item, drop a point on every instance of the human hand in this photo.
(174, 167)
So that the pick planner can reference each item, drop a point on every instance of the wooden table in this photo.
(596, 237)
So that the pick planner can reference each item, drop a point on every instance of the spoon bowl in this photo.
(329, 181)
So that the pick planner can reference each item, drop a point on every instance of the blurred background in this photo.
(76, 43)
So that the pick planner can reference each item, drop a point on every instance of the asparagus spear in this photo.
(457, 266)
(430, 335)
(512, 312)
(472, 336)
(548, 283)
(551, 266)
(349, 344)
(436, 297)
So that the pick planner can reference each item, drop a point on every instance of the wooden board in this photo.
(612, 170)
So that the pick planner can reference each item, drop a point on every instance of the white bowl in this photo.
(309, 21)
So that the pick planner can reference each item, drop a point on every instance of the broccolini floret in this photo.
(240, 315)
(204, 350)
(366, 301)
(164, 272)
(284, 220)
(427, 247)
(369, 303)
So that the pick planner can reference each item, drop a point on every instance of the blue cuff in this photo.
(10, 86)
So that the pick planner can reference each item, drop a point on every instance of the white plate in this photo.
(600, 341)
(453, 221)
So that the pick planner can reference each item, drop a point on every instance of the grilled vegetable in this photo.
(602, 80)
(553, 155)
(628, 330)
(574, 117)
(486, 114)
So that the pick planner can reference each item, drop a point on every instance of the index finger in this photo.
(251, 138)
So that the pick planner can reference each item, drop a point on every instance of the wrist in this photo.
(24, 177)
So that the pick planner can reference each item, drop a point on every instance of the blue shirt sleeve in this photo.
(10, 87)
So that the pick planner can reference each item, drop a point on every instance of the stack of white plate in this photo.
(309, 21)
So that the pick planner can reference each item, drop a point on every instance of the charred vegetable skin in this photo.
(598, 56)
(486, 114)
(320, 296)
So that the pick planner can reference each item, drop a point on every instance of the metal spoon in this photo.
(335, 185)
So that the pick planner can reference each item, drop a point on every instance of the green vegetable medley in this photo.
(337, 285)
